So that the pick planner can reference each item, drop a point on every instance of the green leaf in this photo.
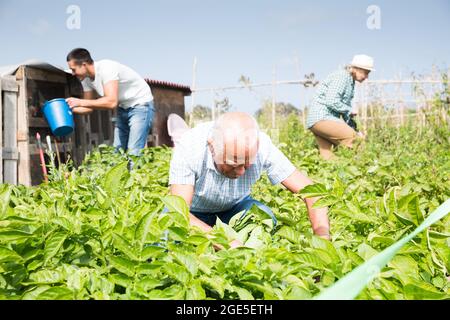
(243, 293)
(187, 261)
(408, 210)
(226, 229)
(289, 234)
(125, 247)
(46, 277)
(53, 245)
(404, 266)
(314, 190)
(405, 200)
(34, 292)
(195, 291)
(385, 241)
(423, 291)
(197, 239)
(318, 242)
(297, 293)
(177, 272)
(389, 201)
(174, 292)
(293, 280)
(113, 177)
(325, 202)
(245, 232)
(354, 171)
(263, 287)
(143, 228)
(439, 235)
(339, 187)
(34, 265)
(123, 265)
(366, 252)
(414, 210)
(151, 252)
(149, 268)
(355, 215)
(121, 280)
(56, 293)
(5, 196)
(95, 213)
(309, 259)
(8, 255)
(404, 220)
(149, 283)
(255, 239)
(177, 233)
(214, 283)
(13, 235)
(65, 223)
(176, 204)
(356, 259)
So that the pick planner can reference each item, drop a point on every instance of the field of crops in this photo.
(100, 233)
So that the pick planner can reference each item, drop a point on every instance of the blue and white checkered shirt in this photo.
(332, 99)
(192, 164)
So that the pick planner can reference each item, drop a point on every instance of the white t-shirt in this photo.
(133, 90)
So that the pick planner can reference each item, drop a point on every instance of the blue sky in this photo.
(160, 39)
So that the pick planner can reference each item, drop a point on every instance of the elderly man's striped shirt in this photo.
(192, 164)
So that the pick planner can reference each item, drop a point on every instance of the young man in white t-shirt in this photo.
(117, 86)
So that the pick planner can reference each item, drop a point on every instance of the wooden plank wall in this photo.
(166, 101)
(10, 153)
(24, 175)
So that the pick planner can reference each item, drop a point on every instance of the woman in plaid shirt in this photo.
(330, 114)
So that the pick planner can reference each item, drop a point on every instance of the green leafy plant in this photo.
(100, 232)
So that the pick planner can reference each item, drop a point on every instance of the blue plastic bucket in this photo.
(59, 116)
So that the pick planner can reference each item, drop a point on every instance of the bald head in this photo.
(234, 142)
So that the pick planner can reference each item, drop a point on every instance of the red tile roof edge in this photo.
(169, 85)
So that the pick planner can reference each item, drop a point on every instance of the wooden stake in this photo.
(41, 157)
(57, 154)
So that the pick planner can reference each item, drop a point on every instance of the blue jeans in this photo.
(132, 128)
(225, 216)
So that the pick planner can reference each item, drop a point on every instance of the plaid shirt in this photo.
(192, 164)
(332, 99)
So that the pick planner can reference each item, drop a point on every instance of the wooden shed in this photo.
(24, 90)
(168, 98)
(30, 85)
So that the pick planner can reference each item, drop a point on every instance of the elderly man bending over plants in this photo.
(215, 164)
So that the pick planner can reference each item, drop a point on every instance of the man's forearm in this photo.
(103, 103)
(319, 218)
(82, 110)
(194, 221)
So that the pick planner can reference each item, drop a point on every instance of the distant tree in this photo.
(200, 112)
(282, 111)
(223, 106)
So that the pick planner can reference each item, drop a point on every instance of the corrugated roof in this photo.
(169, 85)
(11, 70)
